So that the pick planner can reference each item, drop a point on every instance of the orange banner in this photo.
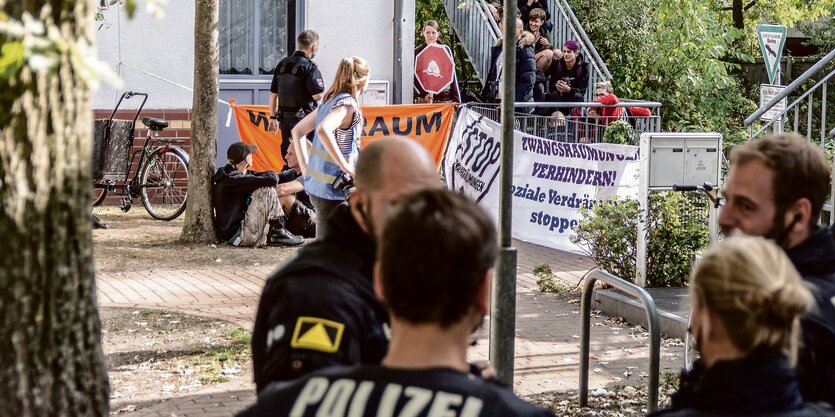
(428, 124)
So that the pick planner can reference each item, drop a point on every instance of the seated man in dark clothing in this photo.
(301, 217)
(247, 210)
(569, 77)
(434, 266)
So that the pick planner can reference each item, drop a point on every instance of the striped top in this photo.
(322, 170)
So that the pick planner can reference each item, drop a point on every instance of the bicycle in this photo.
(161, 180)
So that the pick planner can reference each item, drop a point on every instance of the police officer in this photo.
(297, 86)
(434, 268)
(319, 309)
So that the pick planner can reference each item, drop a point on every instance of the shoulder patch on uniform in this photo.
(317, 334)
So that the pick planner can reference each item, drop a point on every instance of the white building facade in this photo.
(156, 56)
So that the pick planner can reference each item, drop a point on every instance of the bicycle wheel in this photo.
(98, 194)
(164, 184)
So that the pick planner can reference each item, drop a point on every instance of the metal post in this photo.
(654, 334)
(503, 306)
(397, 76)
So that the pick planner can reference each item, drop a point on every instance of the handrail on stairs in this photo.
(581, 35)
(790, 88)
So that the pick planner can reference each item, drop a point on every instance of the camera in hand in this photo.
(343, 182)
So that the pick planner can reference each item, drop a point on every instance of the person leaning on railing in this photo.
(746, 299)
(604, 94)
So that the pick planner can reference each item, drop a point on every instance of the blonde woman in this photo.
(338, 125)
(746, 298)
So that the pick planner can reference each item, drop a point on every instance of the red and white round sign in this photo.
(434, 68)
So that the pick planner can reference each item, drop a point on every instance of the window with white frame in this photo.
(253, 35)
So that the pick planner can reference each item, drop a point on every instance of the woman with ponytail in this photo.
(336, 125)
(746, 299)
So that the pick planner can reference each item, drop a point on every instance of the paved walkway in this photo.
(547, 335)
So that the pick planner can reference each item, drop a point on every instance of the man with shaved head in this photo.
(319, 309)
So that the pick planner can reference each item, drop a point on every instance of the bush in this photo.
(677, 227)
(547, 282)
(620, 132)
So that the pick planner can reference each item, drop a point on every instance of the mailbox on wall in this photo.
(681, 159)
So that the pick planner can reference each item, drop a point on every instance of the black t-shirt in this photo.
(376, 391)
(288, 175)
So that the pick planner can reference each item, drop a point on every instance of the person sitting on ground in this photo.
(604, 94)
(247, 210)
(301, 216)
(525, 68)
(746, 301)
(434, 267)
(542, 46)
(569, 76)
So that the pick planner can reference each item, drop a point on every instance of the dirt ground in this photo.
(134, 241)
(157, 355)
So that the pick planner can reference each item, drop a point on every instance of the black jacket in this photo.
(815, 261)
(577, 77)
(525, 70)
(525, 10)
(761, 384)
(230, 196)
(319, 309)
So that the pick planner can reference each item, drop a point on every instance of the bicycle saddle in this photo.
(154, 124)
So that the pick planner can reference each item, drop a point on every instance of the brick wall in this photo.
(179, 127)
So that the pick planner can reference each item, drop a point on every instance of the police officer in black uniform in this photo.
(297, 86)
(319, 309)
(435, 264)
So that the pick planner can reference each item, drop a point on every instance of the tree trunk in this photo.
(51, 362)
(199, 224)
(738, 14)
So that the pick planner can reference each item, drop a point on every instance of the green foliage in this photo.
(11, 59)
(608, 232)
(546, 280)
(620, 132)
(676, 52)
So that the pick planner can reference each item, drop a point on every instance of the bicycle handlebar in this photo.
(129, 94)
(704, 187)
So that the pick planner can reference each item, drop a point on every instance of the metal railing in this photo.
(477, 32)
(567, 26)
(654, 334)
(573, 128)
(792, 114)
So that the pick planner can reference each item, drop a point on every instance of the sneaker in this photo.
(281, 237)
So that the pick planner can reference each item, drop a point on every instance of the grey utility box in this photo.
(681, 158)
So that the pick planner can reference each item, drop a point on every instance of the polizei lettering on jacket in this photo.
(575, 175)
(571, 150)
(348, 398)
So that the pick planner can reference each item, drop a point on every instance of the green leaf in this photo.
(11, 58)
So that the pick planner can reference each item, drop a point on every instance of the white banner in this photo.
(551, 180)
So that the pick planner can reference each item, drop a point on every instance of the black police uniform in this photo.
(296, 80)
(319, 308)
(374, 391)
